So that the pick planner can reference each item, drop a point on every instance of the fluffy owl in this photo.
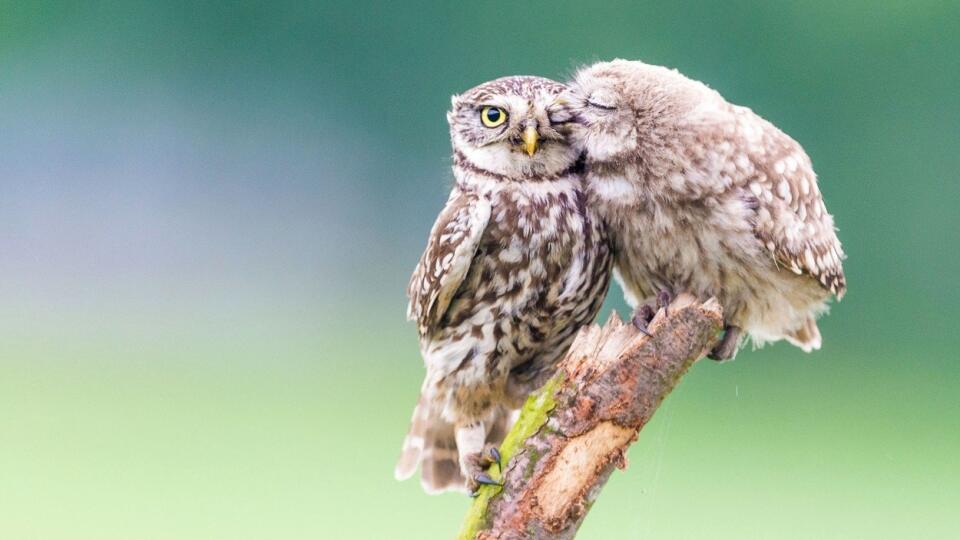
(705, 197)
(515, 264)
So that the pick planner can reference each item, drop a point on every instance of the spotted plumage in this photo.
(706, 197)
(515, 264)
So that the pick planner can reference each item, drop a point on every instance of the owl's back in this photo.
(719, 202)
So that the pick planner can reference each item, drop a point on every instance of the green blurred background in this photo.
(209, 211)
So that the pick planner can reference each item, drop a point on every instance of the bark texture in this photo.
(577, 428)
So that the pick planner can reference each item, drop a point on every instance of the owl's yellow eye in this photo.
(493, 116)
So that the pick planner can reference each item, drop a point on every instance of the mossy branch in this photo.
(577, 428)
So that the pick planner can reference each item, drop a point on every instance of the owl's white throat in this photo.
(500, 159)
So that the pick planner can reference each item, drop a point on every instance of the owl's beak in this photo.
(530, 138)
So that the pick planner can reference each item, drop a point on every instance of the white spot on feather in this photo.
(791, 163)
(809, 260)
(742, 161)
(763, 214)
(512, 255)
(676, 181)
(783, 189)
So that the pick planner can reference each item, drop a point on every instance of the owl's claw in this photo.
(484, 479)
(641, 318)
(481, 479)
(477, 464)
(495, 455)
(663, 301)
(727, 348)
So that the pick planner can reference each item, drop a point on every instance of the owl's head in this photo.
(503, 126)
(611, 108)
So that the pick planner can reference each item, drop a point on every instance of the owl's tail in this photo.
(806, 336)
(431, 444)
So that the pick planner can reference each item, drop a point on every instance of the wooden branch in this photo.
(577, 428)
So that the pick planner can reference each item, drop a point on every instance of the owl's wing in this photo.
(453, 243)
(791, 220)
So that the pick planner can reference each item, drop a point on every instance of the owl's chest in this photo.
(530, 247)
(544, 269)
(671, 245)
(664, 232)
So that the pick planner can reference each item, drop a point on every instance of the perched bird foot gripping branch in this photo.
(577, 428)
(478, 463)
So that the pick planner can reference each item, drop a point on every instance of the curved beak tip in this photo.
(530, 139)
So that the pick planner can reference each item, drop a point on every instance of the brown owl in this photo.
(515, 264)
(706, 197)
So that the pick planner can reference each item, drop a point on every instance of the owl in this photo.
(706, 197)
(515, 264)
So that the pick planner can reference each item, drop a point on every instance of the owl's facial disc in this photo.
(595, 116)
(503, 127)
(585, 105)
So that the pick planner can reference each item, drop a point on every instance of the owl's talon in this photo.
(485, 480)
(727, 348)
(641, 325)
(495, 455)
(476, 465)
(663, 301)
(487, 457)
(478, 480)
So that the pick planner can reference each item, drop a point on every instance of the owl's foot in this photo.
(481, 479)
(477, 464)
(663, 302)
(494, 454)
(642, 317)
(727, 348)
